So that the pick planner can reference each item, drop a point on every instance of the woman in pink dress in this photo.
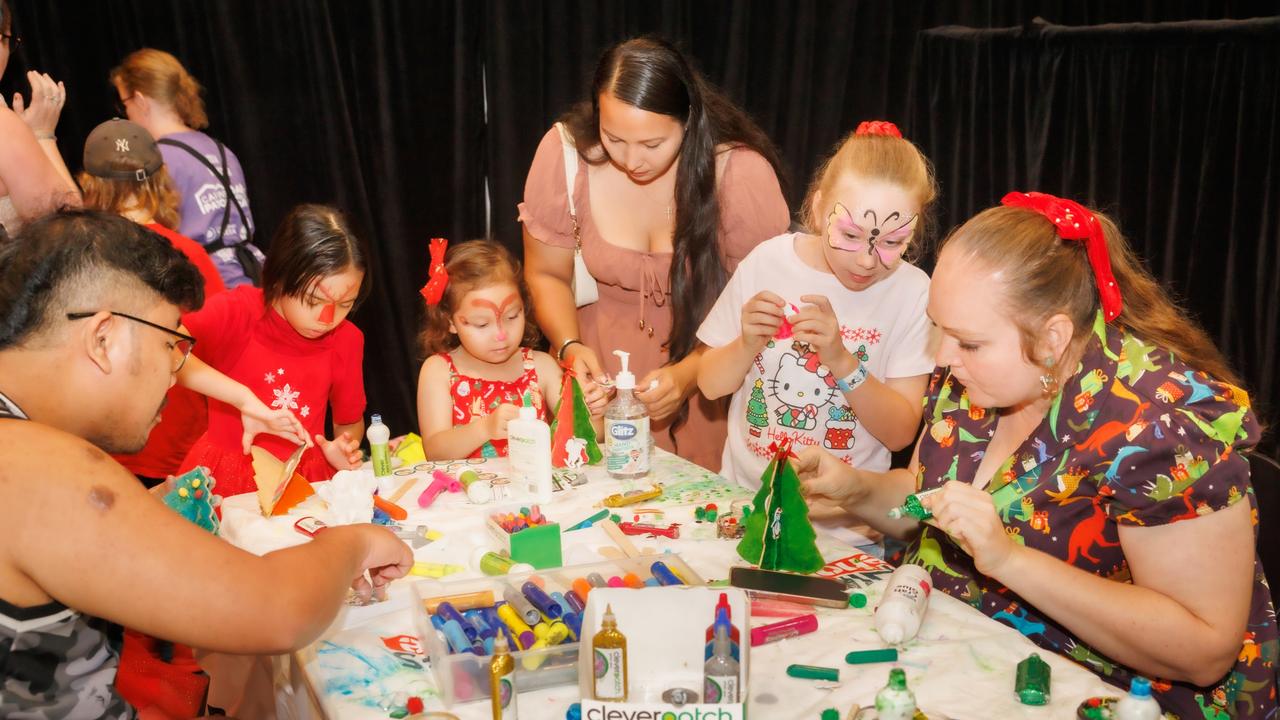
(673, 186)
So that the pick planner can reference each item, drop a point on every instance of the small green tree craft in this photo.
(573, 420)
(778, 534)
(757, 410)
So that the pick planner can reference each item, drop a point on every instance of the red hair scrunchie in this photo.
(1073, 221)
(878, 127)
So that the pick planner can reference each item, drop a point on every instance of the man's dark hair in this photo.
(56, 257)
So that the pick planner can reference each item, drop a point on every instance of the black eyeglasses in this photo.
(184, 344)
(121, 110)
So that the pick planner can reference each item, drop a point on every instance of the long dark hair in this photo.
(312, 243)
(651, 74)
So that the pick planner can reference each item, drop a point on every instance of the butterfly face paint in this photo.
(884, 238)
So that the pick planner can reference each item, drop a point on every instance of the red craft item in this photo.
(438, 278)
(630, 528)
(878, 127)
(1074, 222)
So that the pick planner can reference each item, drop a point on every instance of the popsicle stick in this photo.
(404, 488)
(619, 538)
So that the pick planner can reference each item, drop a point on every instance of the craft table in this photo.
(961, 665)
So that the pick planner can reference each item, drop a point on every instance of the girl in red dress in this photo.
(292, 347)
(479, 365)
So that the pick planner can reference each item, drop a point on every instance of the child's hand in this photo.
(257, 418)
(342, 452)
(661, 393)
(496, 421)
(761, 317)
(816, 324)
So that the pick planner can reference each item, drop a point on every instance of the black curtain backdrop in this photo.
(420, 117)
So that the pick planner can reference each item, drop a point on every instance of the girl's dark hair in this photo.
(472, 265)
(312, 243)
(651, 74)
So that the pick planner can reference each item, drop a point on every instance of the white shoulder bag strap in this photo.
(585, 291)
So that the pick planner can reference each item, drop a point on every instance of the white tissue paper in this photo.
(349, 494)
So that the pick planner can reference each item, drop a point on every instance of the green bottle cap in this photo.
(831, 714)
(813, 672)
(857, 600)
(898, 679)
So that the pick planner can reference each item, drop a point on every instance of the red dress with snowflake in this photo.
(475, 398)
(252, 344)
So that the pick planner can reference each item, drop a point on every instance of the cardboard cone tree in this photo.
(778, 534)
(573, 420)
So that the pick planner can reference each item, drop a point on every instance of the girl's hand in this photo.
(816, 324)
(825, 477)
(969, 516)
(257, 418)
(342, 452)
(47, 99)
(761, 317)
(496, 421)
(664, 398)
(586, 367)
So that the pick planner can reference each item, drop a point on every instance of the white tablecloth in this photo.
(961, 665)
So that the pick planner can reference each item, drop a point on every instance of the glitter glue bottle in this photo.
(529, 450)
(901, 609)
(609, 648)
(626, 429)
(734, 634)
(502, 686)
(721, 673)
(895, 701)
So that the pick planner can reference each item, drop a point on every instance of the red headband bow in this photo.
(1074, 222)
(438, 279)
(878, 127)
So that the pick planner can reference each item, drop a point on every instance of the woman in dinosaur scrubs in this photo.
(1084, 436)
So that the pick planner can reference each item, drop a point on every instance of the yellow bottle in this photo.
(502, 675)
(609, 648)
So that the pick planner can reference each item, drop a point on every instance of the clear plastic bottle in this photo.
(721, 673)
(379, 436)
(626, 429)
(1138, 704)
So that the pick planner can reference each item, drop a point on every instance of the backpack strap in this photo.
(225, 177)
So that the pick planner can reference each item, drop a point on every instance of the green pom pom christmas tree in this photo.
(778, 534)
(573, 420)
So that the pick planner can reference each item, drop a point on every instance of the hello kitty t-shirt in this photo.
(788, 392)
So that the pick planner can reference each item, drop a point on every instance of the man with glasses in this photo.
(90, 340)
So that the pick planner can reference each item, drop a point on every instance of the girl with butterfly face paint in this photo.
(821, 336)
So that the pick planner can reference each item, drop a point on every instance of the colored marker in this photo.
(866, 657)
(597, 580)
(791, 627)
(577, 602)
(589, 521)
(813, 672)
(462, 601)
(517, 626)
(458, 640)
(664, 575)
(581, 588)
(541, 600)
(520, 605)
(449, 613)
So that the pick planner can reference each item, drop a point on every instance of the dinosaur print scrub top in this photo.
(1135, 437)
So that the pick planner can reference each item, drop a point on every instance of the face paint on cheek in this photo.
(326, 313)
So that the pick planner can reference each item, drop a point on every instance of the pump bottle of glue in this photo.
(626, 428)
(902, 607)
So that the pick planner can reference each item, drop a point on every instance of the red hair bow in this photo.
(1074, 222)
(878, 127)
(438, 279)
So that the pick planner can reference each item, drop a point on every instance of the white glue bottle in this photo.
(626, 428)
(1138, 704)
(902, 607)
(379, 437)
(529, 451)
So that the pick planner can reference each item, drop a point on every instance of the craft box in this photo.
(538, 545)
(464, 677)
(666, 648)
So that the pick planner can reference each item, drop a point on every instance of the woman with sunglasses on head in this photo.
(821, 336)
(33, 177)
(156, 91)
(1085, 447)
(673, 185)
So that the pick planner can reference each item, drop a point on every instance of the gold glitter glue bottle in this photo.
(502, 675)
(609, 651)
